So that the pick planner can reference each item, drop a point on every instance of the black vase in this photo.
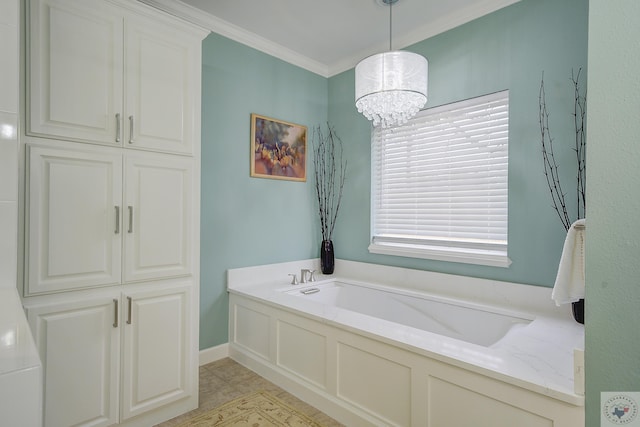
(578, 311)
(327, 258)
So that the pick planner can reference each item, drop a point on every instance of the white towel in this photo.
(569, 286)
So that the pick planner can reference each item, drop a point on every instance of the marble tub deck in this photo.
(538, 357)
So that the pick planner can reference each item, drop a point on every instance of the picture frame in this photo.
(278, 149)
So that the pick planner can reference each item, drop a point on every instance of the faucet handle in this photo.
(312, 278)
(294, 280)
(303, 275)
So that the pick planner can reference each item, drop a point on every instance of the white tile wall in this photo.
(8, 248)
(20, 369)
(9, 56)
(8, 156)
(9, 12)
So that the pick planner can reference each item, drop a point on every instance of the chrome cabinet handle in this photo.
(118, 127)
(129, 311)
(130, 129)
(130, 230)
(115, 313)
(117, 230)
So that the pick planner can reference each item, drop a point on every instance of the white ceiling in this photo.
(329, 36)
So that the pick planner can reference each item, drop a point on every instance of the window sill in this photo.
(438, 253)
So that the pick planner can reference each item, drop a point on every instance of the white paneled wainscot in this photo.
(111, 196)
(377, 345)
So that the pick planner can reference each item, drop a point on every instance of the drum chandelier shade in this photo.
(391, 87)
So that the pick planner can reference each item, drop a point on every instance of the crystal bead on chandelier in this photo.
(391, 87)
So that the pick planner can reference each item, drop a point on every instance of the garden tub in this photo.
(372, 353)
(472, 323)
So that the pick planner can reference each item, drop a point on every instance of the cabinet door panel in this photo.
(156, 365)
(75, 70)
(159, 95)
(79, 348)
(158, 198)
(74, 202)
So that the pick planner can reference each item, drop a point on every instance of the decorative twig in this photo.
(550, 164)
(330, 171)
(579, 114)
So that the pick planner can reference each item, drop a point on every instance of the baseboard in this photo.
(212, 354)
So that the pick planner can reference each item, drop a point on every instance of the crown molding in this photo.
(240, 35)
(429, 30)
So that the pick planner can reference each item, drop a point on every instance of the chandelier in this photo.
(391, 87)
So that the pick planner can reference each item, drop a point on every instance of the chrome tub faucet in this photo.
(306, 275)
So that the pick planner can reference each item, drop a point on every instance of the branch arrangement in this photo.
(548, 156)
(579, 114)
(330, 170)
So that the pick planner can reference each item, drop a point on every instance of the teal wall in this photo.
(248, 221)
(508, 49)
(613, 173)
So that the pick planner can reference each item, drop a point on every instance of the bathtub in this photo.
(472, 323)
(376, 345)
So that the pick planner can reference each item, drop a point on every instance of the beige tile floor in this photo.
(225, 380)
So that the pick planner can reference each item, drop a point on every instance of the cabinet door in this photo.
(157, 344)
(75, 70)
(79, 348)
(160, 80)
(74, 224)
(158, 216)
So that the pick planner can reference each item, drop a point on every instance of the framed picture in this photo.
(278, 149)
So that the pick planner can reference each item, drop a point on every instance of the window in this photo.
(439, 183)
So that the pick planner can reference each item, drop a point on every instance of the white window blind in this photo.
(439, 183)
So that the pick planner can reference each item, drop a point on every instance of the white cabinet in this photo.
(159, 86)
(80, 344)
(158, 232)
(156, 364)
(85, 222)
(111, 197)
(108, 75)
(75, 67)
(73, 229)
